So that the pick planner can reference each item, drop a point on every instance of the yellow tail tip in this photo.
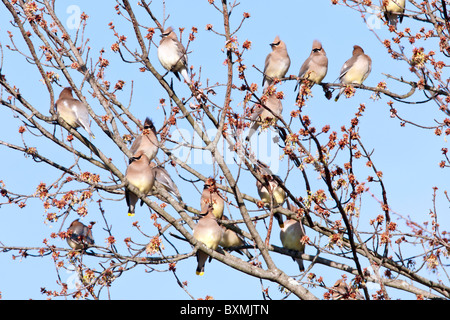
(199, 273)
(130, 214)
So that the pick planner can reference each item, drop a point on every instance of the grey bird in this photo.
(141, 175)
(79, 236)
(208, 231)
(315, 67)
(291, 234)
(73, 111)
(210, 196)
(355, 70)
(147, 141)
(277, 62)
(172, 55)
(275, 192)
(393, 11)
(261, 115)
(163, 177)
(231, 239)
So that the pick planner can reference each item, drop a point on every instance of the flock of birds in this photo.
(143, 173)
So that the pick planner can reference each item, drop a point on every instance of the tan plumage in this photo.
(73, 111)
(141, 175)
(291, 234)
(277, 62)
(79, 236)
(355, 70)
(260, 115)
(147, 141)
(315, 66)
(210, 233)
(342, 291)
(210, 195)
(172, 55)
(231, 239)
(393, 11)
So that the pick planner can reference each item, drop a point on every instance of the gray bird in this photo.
(355, 70)
(277, 62)
(211, 196)
(208, 231)
(291, 234)
(260, 114)
(315, 66)
(73, 111)
(79, 236)
(231, 239)
(393, 11)
(141, 175)
(172, 55)
(147, 141)
(163, 177)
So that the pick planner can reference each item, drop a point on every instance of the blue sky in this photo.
(408, 157)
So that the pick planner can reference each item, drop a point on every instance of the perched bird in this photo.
(277, 62)
(231, 239)
(211, 196)
(79, 236)
(172, 55)
(342, 291)
(393, 11)
(141, 175)
(210, 233)
(260, 115)
(147, 141)
(291, 235)
(315, 66)
(274, 192)
(163, 177)
(73, 111)
(355, 70)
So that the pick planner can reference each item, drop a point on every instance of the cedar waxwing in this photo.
(172, 55)
(342, 291)
(291, 235)
(279, 195)
(140, 174)
(208, 231)
(355, 70)
(210, 195)
(315, 66)
(163, 177)
(393, 11)
(277, 62)
(232, 239)
(261, 115)
(79, 236)
(73, 111)
(147, 141)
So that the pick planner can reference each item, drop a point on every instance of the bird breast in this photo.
(170, 57)
(358, 72)
(291, 235)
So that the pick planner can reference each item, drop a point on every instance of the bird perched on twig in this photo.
(73, 111)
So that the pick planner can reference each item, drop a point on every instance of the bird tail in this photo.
(185, 75)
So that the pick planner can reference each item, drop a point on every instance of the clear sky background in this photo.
(407, 156)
